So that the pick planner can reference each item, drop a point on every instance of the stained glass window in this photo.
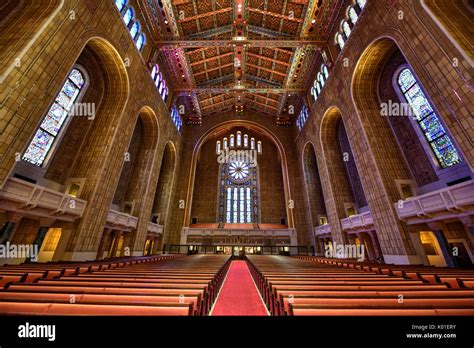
(346, 28)
(120, 4)
(128, 16)
(252, 144)
(154, 72)
(231, 140)
(238, 190)
(176, 118)
(302, 117)
(325, 71)
(340, 40)
(259, 147)
(428, 120)
(218, 147)
(353, 15)
(246, 140)
(239, 139)
(52, 123)
(134, 29)
(361, 3)
(225, 143)
(140, 41)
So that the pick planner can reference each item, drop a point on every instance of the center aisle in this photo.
(239, 295)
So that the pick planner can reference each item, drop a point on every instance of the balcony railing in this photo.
(441, 204)
(323, 229)
(121, 221)
(223, 232)
(37, 201)
(155, 228)
(359, 221)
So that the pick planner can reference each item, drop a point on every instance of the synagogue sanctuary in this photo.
(236, 158)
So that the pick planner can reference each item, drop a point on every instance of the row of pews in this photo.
(164, 285)
(315, 286)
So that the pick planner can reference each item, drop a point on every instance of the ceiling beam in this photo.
(265, 69)
(212, 58)
(173, 43)
(216, 68)
(267, 58)
(277, 90)
(262, 104)
(206, 14)
(278, 15)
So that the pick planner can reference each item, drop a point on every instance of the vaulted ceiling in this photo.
(236, 55)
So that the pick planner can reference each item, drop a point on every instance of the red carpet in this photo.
(238, 295)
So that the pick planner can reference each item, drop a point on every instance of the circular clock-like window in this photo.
(239, 170)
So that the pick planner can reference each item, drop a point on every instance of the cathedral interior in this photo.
(229, 140)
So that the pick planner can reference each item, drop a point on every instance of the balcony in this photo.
(449, 202)
(36, 201)
(287, 233)
(121, 221)
(323, 229)
(154, 228)
(359, 222)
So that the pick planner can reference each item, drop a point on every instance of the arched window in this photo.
(141, 41)
(135, 29)
(128, 16)
(231, 140)
(346, 28)
(361, 3)
(154, 72)
(325, 71)
(353, 15)
(239, 139)
(120, 4)
(340, 40)
(225, 143)
(218, 147)
(252, 144)
(238, 193)
(158, 80)
(246, 140)
(162, 84)
(54, 120)
(429, 122)
(165, 93)
(321, 80)
(163, 89)
(259, 147)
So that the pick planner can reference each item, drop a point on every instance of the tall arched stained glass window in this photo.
(54, 120)
(231, 140)
(128, 16)
(238, 200)
(252, 144)
(353, 15)
(429, 122)
(246, 140)
(239, 139)
(346, 28)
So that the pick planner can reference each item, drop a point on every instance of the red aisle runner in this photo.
(238, 295)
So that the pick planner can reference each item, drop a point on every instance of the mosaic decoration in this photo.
(428, 120)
